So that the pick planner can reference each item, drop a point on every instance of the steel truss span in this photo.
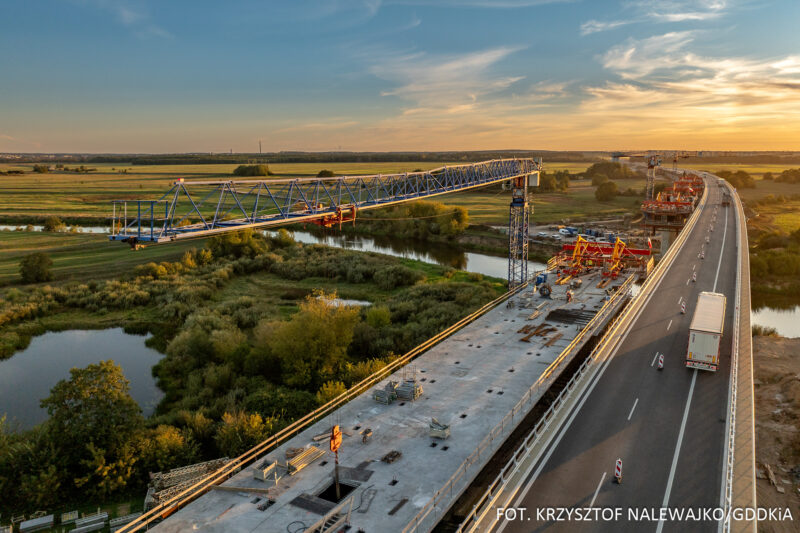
(200, 208)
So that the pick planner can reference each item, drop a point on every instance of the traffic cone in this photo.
(683, 308)
(661, 362)
(618, 471)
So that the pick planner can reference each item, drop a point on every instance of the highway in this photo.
(667, 426)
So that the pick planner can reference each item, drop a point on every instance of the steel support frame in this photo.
(518, 216)
(202, 208)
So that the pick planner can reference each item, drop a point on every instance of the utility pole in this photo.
(259, 147)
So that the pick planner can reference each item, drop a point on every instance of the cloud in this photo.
(668, 90)
(130, 14)
(444, 82)
(594, 26)
(649, 11)
(6, 137)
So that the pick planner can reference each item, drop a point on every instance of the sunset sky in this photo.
(201, 76)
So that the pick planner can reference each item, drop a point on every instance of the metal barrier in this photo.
(235, 465)
(727, 493)
(498, 486)
(507, 424)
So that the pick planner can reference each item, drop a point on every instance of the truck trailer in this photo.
(705, 332)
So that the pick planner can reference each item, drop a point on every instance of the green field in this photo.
(80, 256)
(490, 206)
(86, 198)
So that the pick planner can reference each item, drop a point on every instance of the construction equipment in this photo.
(438, 430)
(387, 395)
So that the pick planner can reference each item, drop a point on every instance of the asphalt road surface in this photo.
(667, 426)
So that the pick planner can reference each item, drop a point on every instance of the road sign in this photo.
(336, 438)
(618, 471)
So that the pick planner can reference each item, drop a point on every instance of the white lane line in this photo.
(632, 408)
(654, 359)
(597, 490)
(693, 266)
(719, 264)
(680, 300)
(677, 449)
(669, 325)
(688, 280)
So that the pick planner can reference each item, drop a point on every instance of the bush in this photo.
(329, 391)
(35, 267)
(764, 331)
(394, 276)
(606, 191)
(599, 179)
(53, 223)
(41, 169)
(325, 173)
(252, 170)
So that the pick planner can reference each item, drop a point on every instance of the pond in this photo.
(785, 321)
(27, 376)
(437, 253)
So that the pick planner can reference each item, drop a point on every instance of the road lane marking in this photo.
(677, 449)
(632, 408)
(519, 493)
(693, 266)
(722, 250)
(688, 280)
(679, 300)
(669, 325)
(597, 490)
(654, 359)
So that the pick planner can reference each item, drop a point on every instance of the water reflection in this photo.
(437, 253)
(27, 377)
(37, 227)
(785, 321)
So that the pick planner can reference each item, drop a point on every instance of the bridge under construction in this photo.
(419, 432)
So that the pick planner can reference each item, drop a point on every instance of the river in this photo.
(437, 253)
(27, 376)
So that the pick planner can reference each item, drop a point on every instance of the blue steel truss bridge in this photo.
(191, 209)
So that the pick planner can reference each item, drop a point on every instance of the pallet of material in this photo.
(553, 339)
(409, 390)
(299, 462)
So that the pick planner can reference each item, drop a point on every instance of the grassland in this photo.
(490, 205)
(80, 256)
(86, 198)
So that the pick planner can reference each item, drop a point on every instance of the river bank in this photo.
(777, 402)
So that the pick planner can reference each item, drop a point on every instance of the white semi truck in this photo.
(705, 331)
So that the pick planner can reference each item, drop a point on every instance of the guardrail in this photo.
(727, 503)
(507, 424)
(487, 501)
(235, 465)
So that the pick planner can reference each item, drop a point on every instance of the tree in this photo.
(767, 176)
(35, 267)
(166, 447)
(53, 223)
(329, 391)
(252, 170)
(244, 243)
(606, 191)
(312, 345)
(599, 179)
(93, 414)
(241, 431)
(41, 169)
